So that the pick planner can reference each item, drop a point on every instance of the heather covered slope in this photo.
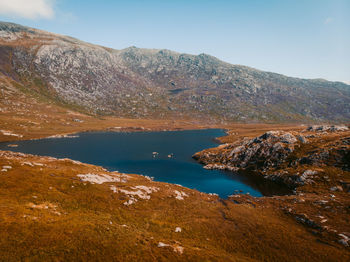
(64, 210)
(147, 83)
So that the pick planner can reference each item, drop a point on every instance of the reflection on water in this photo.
(166, 156)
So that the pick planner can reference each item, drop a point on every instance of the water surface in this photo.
(133, 153)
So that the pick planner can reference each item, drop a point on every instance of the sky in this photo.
(300, 38)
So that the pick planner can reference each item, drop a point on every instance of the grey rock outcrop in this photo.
(325, 128)
(265, 151)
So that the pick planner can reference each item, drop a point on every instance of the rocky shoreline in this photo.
(314, 163)
(267, 153)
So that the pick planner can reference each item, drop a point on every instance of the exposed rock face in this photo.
(324, 128)
(138, 82)
(315, 158)
(292, 180)
(284, 157)
(267, 150)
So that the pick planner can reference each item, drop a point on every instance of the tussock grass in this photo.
(95, 225)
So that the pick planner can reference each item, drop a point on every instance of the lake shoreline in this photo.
(66, 188)
(131, 152)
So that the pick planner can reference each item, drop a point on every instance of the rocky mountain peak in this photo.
(143, 83)
(14, 28)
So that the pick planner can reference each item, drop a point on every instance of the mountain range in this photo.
(150, 83)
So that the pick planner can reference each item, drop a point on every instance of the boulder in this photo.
(336, 188)
(323, 128)
(302, 139)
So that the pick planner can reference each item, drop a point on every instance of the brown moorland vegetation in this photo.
(49, 213)
(27, 114)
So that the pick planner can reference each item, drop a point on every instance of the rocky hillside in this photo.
(314, 163)
(278, 155)
(147, 83)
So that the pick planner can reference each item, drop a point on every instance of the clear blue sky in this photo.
(309, 38)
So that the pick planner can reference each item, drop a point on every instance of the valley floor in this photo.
(64, 210)
(29, 115)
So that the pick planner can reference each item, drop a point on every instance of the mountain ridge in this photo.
(147, 83)
(155, 50)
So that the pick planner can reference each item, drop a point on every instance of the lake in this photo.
(165, 155)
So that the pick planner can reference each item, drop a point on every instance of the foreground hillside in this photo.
(59, 209)
(147, 83)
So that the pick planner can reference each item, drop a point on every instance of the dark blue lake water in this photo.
(133, 153)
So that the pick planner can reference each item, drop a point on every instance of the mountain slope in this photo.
(147, 83)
